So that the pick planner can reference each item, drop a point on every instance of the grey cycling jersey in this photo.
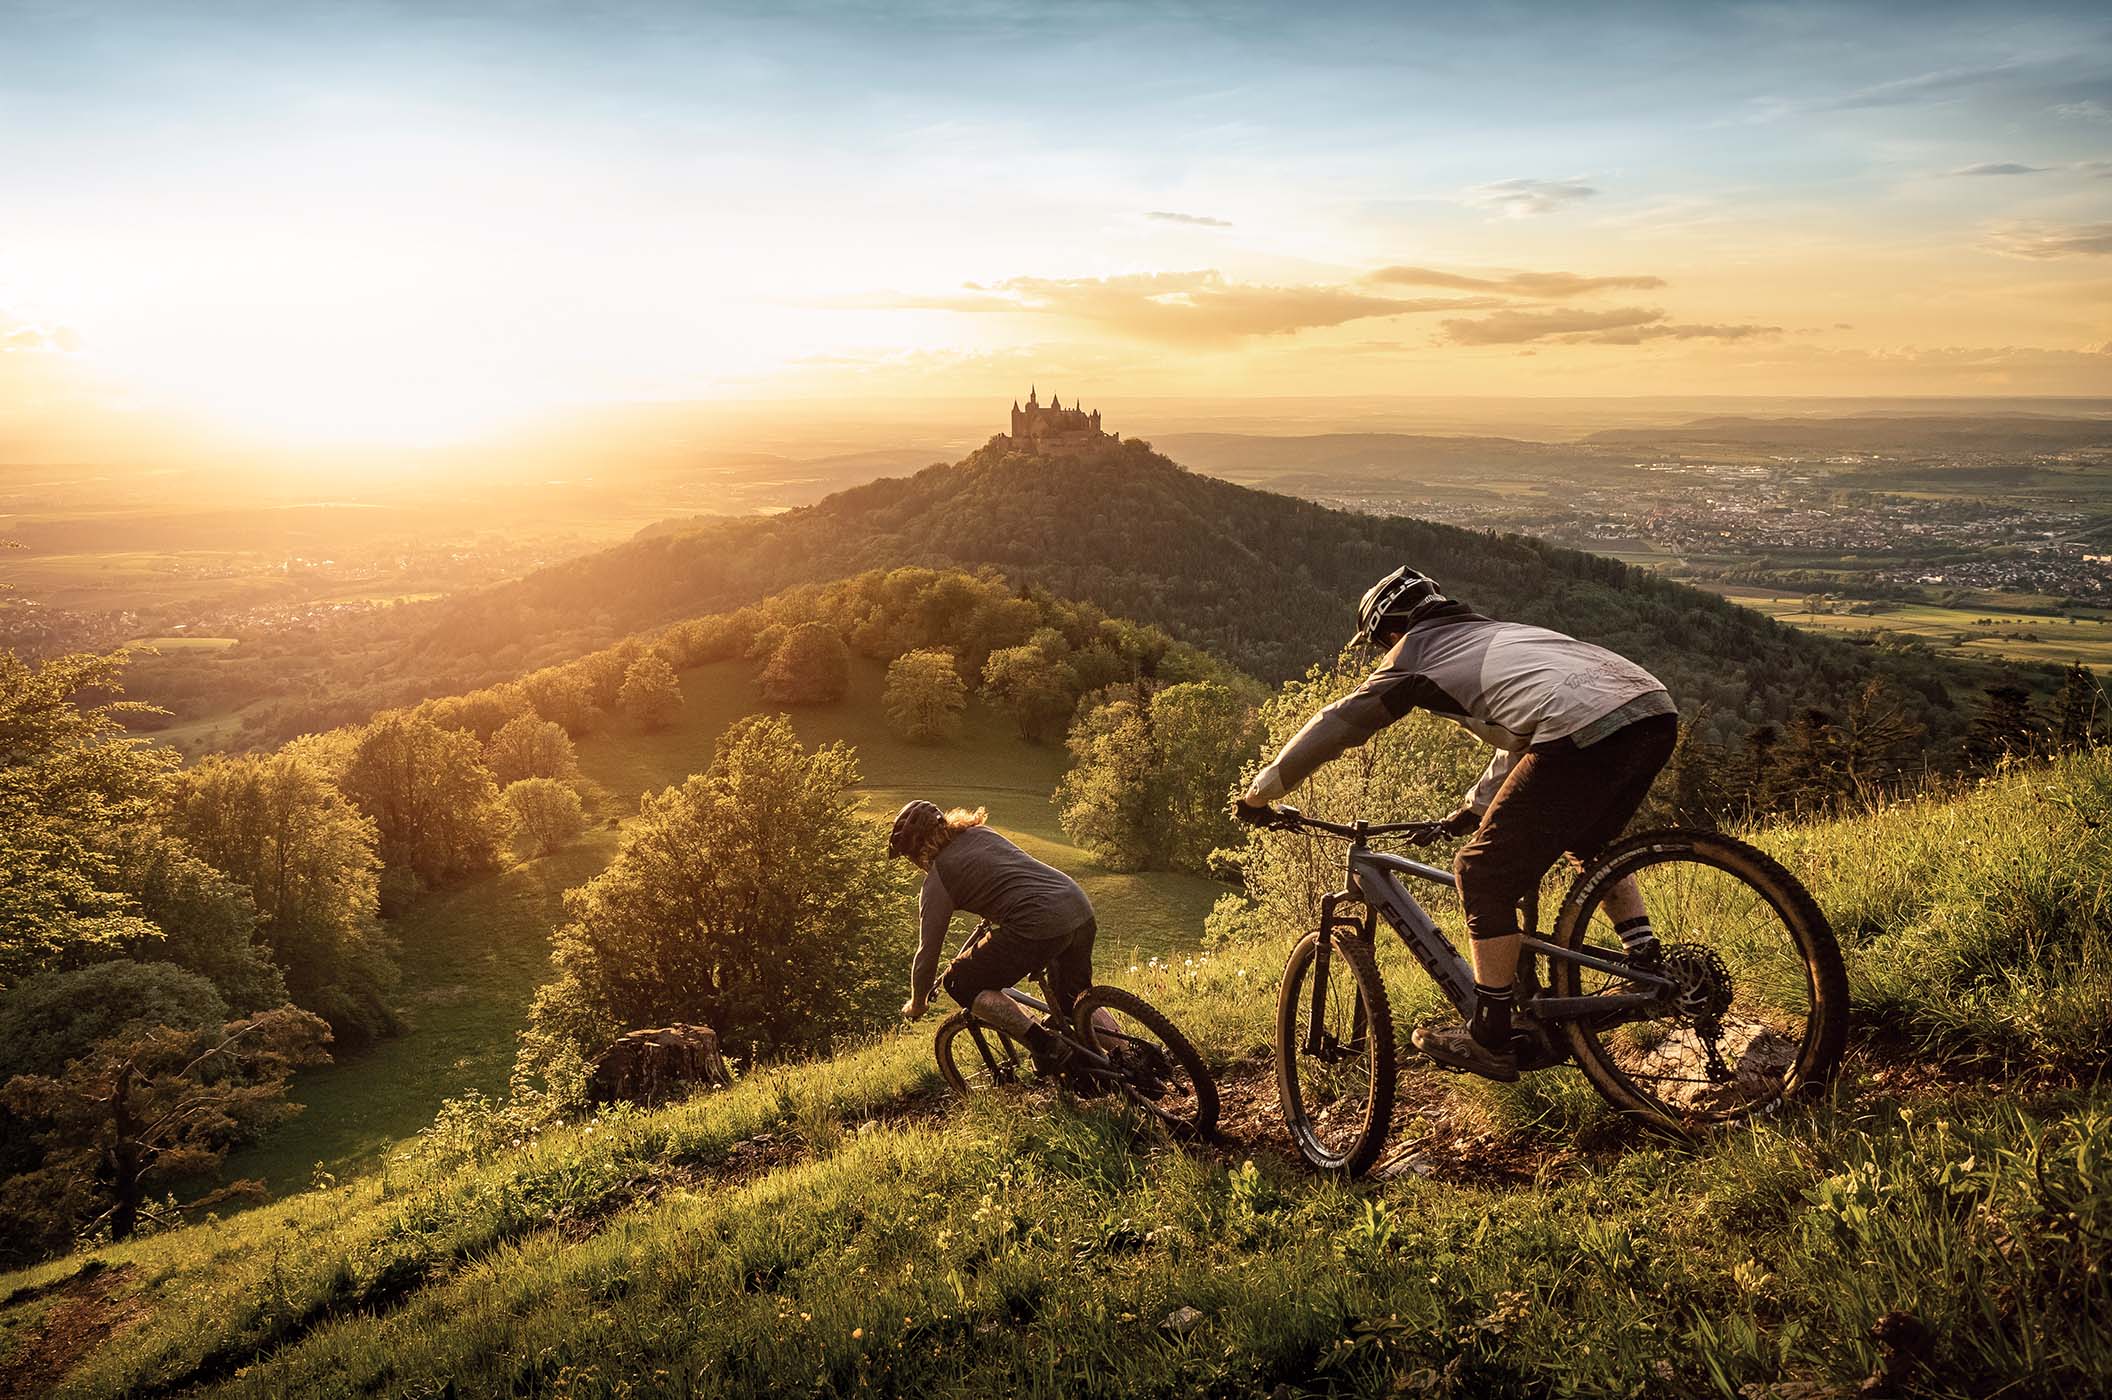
(1509, 684)
(981, 872)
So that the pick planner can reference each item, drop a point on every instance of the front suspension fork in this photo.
(1330, 927)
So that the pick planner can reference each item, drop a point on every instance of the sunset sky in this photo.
(405, 222)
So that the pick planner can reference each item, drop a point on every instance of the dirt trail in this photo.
(1432, 1136)
(81, 1315)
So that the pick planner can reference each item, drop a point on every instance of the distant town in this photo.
(1796, 522)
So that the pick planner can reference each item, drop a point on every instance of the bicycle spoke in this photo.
(1740, 968)
(1335, 1056)
(1144, 1069)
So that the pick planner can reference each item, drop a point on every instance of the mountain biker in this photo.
(1041, 920)
(1579, 731)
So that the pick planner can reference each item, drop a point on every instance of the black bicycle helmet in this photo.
(916, 821)
(1394, 603)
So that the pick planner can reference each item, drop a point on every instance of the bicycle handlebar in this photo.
(1291, 819)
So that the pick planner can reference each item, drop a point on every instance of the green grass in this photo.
(878, 1243)
(473, 956)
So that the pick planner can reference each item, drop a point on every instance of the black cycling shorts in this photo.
(1003, 959)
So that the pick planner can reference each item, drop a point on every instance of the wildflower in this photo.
(857, 1334)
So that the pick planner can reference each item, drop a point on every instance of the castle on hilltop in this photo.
(1054, 428)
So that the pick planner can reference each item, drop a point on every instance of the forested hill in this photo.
(1263, 580)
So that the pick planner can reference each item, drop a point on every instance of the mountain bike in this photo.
(1118, 1042)
(1745, 1007)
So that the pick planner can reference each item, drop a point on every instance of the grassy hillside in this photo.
(473, 956)
(837, 1229)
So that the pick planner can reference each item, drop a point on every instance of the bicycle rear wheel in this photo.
(1335, 1053)
(1760, 1010)
(973, 1056)
(1155, 1066)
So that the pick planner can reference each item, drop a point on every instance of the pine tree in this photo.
(2079, 710)
(152, 1106)
(2007, 726)
(1875, 739)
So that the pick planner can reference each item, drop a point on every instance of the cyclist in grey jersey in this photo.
(1042, 923)
(1579, 733)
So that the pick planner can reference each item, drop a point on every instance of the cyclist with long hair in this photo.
(1580, 733)
(1040, 918)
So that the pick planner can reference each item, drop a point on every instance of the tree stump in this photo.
(652, 1067)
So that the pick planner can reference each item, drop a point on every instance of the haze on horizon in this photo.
(321, 226)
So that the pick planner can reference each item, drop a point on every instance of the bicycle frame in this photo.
(1376, 880)
(1090, 1058)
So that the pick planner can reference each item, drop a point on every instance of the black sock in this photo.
(1491, 1025)
(1637, 936)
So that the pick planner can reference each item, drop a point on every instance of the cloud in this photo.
(1522, 198)
(2084, 111)
(21, 338)
(1627, 325)
(1542, 285)
(2000, 167)
(1187, 307)
(1636, 335)
(1941, 85)
(1168, 216)
(2050, 240)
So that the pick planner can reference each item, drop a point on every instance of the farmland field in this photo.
(1984, 633)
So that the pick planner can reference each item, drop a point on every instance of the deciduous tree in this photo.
(430, 797)
(1037, 687)
(751, 898)
(1151, 774)
(811, 666)
(925, 696)
(70, 783)
(651, 695)
(308, 859)
(530, 747)
(546, 813)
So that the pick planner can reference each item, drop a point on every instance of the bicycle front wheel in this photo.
(1154, 1065)
(973, 1057)
(1759, 1010)
(1335, 1053)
